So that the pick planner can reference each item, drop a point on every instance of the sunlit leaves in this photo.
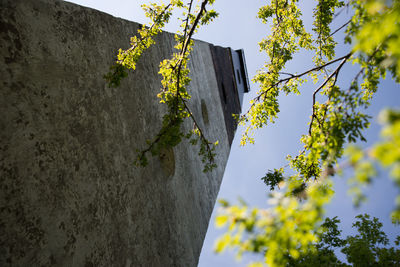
(381, 31)
(159, 15)
(288, 35)
(175, 76)
(127, 59)
(287, 228)
(324, 43)
(385, 153)
(304, 240)
(338, 117)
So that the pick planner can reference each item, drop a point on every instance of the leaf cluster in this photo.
(286, 229)
(385, 153)
(338, 117)
(366, 248)
(247, 233)
(175, 76)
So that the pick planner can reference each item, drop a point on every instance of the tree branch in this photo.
(293, 76)
(335, 73)
(142, 38)
(177, 68)
(338, 29)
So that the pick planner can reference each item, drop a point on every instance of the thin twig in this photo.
(205, 140)
(257, 98)
(142, 38)
(335, 73)
(178, 66)
(338, 29)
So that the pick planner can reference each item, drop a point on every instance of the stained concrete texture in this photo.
(70, 194)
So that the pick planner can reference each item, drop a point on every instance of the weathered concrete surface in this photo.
(70, 195)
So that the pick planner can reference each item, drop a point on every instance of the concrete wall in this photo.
(70, 194)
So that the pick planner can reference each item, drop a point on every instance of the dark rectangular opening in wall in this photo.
(232, 83)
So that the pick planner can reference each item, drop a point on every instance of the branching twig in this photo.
(204, 139)
(296, 76)
(286, 73)
(183, 52)
(187, 37)
(142, 38)
(335, 73)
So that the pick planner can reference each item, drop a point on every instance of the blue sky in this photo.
(238, 27)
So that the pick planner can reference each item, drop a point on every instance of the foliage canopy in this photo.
(367, 248)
